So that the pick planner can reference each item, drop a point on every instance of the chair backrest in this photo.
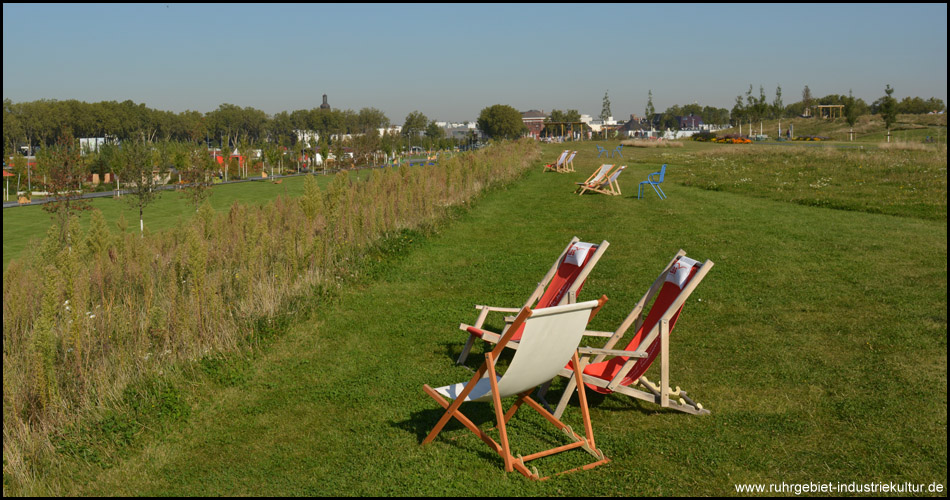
(570, 158)
(550, 338)
(678, 278)
(616, 174)
(572, 270)
(560, 159)
(571, 265)
(601, 173)
(662, 172)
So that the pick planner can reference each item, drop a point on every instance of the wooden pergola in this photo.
(830, 110)
(568, 124)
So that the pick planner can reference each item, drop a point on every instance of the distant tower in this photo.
(324, 105)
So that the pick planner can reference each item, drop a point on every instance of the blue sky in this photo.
(451, 60)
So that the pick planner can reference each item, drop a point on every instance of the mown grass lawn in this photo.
(818, 341)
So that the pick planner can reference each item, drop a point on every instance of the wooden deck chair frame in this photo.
(608, 186)
(569, 162)
(559, 165)
(569, 297)
(549, 344)
(660, 394)
(596, 178)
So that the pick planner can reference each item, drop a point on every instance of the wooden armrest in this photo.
(480, 333)
(594, 333)
(499, 309)
(612, 352)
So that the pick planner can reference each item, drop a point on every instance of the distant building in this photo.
(308, 137)
(638, 127)
(92, 144)
(691, 122)
(534, 121)
(324, 105)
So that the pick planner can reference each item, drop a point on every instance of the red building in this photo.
(534, 120)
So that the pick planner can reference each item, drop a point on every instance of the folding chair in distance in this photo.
(601, 150)
(558, 165)
(563, 281)
(550, 340)
(595, 178)
(654, 179)
(608, 186)
(618, 150)
(569, 162)
(625, 370)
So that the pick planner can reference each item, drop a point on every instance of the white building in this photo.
(307, 136)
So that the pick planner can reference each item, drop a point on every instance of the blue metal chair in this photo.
(620, 147)
(601, 151)
(655, 182)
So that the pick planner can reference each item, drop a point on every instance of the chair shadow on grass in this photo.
(482, 414)
(528, 428)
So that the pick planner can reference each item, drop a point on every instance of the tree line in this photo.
(756, 108)
(42, 122)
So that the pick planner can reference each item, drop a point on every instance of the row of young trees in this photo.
(755, 108)
(63, 173)
(142, 163)
(39, 124)
(758, 108)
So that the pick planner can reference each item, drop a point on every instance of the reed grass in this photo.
(120, 307)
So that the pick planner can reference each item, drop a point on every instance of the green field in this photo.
(818, 342)
(20, 224)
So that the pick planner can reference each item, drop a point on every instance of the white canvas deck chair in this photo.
(550, 340)
(569, 162)
(558, 166)
(563, 281)
(608, 186)
(595, 179)
(624, 372)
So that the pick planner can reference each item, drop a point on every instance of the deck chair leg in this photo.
(463, 419)
(543, 391)
(665, 363)
(452, 410)
(465, 350)
(511, 411)
(479, 322)
(582, 396)
(499, 416)
(566, 397)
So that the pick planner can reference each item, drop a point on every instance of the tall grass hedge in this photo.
(84, 323)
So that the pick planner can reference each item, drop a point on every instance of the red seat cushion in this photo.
(606, 370)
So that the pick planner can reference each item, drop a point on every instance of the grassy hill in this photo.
(868, 128)
(818, 342)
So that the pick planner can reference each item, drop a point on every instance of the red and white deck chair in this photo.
(625, 370)
(559, 286)
(559, 164)
(595, 179)
(550, 338)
